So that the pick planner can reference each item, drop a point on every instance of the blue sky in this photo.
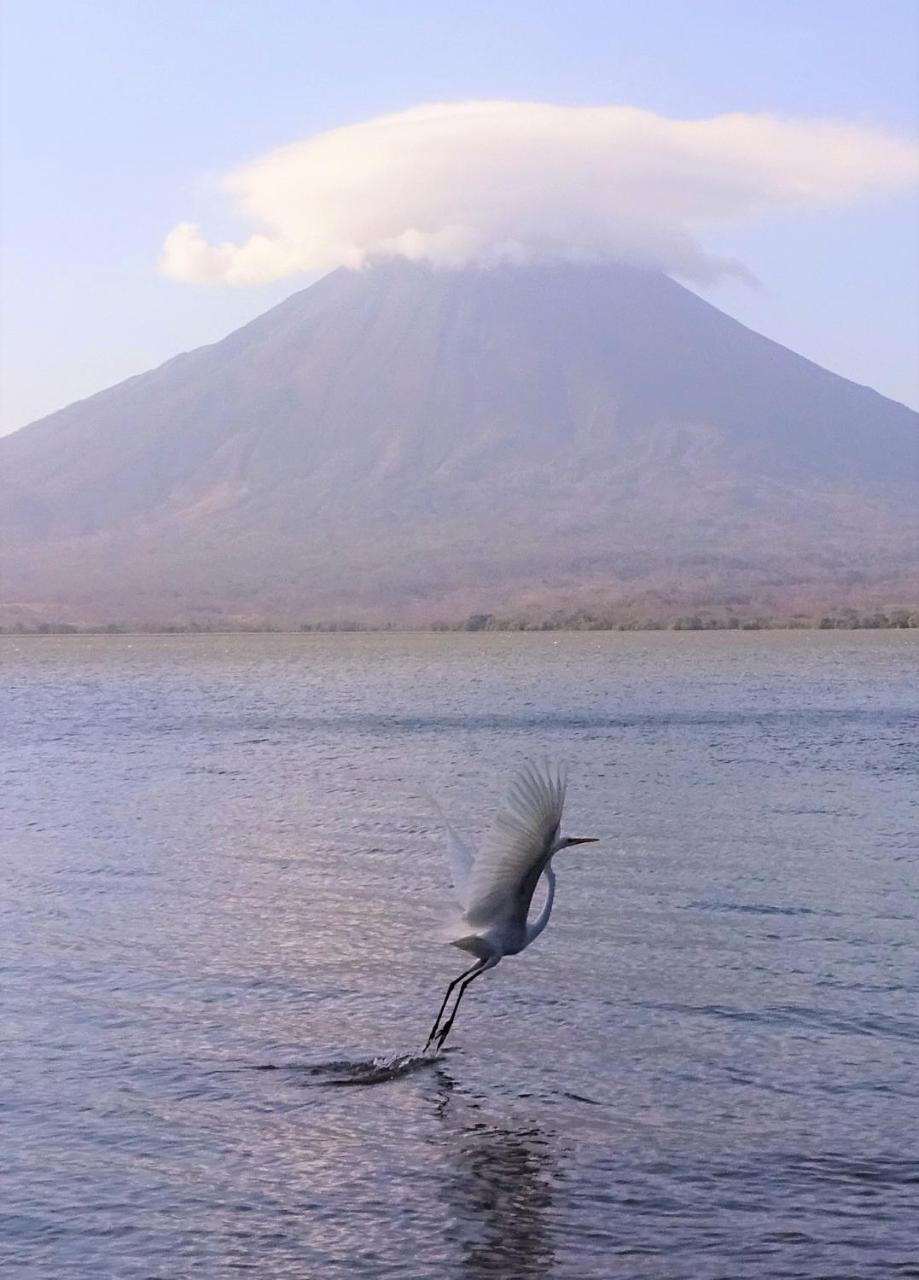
(119, 116)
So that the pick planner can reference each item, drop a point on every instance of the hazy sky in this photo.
(120, 119)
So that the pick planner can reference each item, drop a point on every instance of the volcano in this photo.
(407, 444)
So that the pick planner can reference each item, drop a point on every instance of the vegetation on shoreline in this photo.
(585, 620)
(579, 620)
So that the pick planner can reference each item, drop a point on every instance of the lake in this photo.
(221, 891)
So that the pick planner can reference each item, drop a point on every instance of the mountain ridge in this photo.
(404, 442)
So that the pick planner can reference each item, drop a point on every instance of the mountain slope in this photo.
(404, 442)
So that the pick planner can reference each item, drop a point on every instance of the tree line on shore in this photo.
(577, 620)
(585, 620)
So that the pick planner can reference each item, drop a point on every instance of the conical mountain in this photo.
(412, 444)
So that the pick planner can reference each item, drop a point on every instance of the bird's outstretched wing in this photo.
(515, 852)
(459, 855)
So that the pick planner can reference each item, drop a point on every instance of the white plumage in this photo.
(517, 848)
(494, 887)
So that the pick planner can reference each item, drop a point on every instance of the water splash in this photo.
(348, 1071)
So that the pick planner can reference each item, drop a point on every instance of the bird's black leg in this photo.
(472, 974)
(465, 974)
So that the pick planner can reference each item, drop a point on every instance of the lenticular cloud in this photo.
(480, 183)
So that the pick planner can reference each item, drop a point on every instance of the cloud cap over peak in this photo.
(478, 183)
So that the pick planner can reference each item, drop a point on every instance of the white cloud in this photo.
(482, 182)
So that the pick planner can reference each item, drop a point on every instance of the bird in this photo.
(494, 887)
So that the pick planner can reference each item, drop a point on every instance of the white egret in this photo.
(494, 887)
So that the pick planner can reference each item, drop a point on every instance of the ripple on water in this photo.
(219, 885)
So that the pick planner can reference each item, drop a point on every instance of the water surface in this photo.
(220, 887)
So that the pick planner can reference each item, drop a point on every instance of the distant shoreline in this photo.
(845, 620)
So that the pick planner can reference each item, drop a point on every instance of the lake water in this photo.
(216, 858)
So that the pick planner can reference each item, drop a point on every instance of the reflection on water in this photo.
(213, 857)
(498, 1191)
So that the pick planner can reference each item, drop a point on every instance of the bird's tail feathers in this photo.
(457, 931)
(452, 926)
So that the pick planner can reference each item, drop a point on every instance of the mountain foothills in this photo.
(408, 445)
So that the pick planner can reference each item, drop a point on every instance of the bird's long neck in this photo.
(536, 928)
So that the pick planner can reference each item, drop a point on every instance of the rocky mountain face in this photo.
(408, 444)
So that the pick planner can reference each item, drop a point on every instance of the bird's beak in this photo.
(583, 839)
